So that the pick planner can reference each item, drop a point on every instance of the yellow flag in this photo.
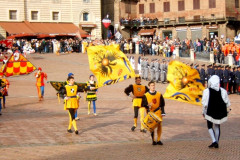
(184, 83)
(109, 64)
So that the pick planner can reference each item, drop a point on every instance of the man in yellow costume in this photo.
(138, 92)
(153, 101)
(71, 102)
(4, 85)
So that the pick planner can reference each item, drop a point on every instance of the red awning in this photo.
(42, 29)
(146, 32)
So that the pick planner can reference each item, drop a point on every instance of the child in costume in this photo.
(92, 94)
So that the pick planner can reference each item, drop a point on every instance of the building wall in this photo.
(69, 11)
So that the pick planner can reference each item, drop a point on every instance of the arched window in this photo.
(85, 16)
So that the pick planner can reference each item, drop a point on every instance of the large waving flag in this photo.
(17, 64)
(109, 64)
(184, 83)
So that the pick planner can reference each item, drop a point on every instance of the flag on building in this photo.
(17, 64)
(184, 83)
(109, 64)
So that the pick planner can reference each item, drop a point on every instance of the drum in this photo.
(151, 121)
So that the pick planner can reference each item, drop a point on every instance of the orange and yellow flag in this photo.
(17, 64)
(109, 64)
(184, 83)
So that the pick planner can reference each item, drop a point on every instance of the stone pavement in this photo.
(37, 130)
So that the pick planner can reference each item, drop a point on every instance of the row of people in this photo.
(229, 76)
(156, 68)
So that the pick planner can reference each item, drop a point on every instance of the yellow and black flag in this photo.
(109, 64)
(184, 83)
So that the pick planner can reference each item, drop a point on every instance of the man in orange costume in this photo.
(40, 83)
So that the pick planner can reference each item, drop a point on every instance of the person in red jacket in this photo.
(40, 83)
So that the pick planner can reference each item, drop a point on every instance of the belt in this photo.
(72, 96)
(156, 109)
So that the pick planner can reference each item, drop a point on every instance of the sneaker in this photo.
(76, 132)
(77, 118)
(159, 143)
(154, 143)
(133, 128)
(70, 131)
(143, 130)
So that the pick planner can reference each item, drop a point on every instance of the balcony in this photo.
(167, 22)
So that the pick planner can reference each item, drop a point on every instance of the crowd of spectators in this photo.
(146, 46)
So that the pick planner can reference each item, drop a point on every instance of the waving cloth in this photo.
(109, 64)
(184, 83)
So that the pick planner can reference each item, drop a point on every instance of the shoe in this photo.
(213, 145)
(133, 128)
(143, 130)
(70, 131)
(77, 118)
(76, 132)
(154, 143)
(95, 114)
(216, 145)
(159, 143)
(0, 113)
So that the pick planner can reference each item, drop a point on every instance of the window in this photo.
(152, 7)
(181, 19)
(55, 16)
(56, 1)
(141, 8)
(85, 16)
(181, 6)
(196, 18)
(166, 20)
(236, 3)
(86, 1)
(13, 14)
(196, 4)
(34, 15)
(212, 3)
(166, 6)
(127, 7)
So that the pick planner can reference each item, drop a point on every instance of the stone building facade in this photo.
(86, 14)
(182, 19)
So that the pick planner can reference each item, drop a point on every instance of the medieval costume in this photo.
(216, 105)
(91, 94)
(138, 91)
(40, 83)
